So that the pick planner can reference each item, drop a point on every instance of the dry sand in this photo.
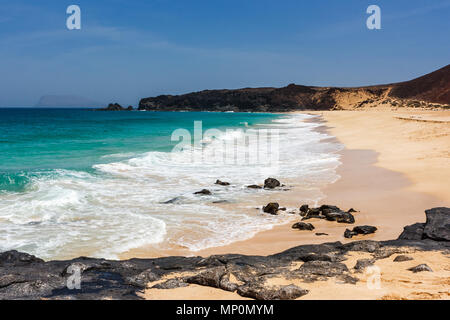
(389, 280)
(395, 165)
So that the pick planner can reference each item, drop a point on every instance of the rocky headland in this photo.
(431, 91)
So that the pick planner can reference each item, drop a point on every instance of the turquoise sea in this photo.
(35, 142)
(83, 182)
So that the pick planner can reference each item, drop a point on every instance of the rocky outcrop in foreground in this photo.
(23, 276)
(429, 91)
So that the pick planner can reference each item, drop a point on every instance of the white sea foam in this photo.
(122, 206)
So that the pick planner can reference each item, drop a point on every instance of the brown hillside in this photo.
(429, 91)
(432, 87)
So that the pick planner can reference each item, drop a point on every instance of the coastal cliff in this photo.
(429, 91)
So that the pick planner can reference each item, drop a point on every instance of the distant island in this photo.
(116, 107)
(66, 101)
(429, 91)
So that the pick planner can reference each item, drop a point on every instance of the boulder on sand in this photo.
(420, 268)
(437, 226)
(412, 232)
(401, 258)
(340, 217)
(271, 208)
(303, 226)
(359, 230)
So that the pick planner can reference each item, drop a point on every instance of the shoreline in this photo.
(367, 183)
(386, 198)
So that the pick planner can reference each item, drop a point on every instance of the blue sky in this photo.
(127, 50)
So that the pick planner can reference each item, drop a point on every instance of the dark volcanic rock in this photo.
(359, 230)
(349, 234)
(340, 216)
(115, 107)
(220, 201)
(15, 258)
(171, 284)
(345, 278)
(321, 234)
(303, 226)
(312, 213)
(271, 183)
(364, 229)
(23, 276)
(173, 200)
(420, 268)
(322, 268)
(222, 183)
(326, 209)
(401, 258)
(141, 279)
(203, 192)
(412, 232)
(259, 292)
(210, 277)
(254, 186)
(304, 208)
(437, 226)
(271, 208)
(362, 264)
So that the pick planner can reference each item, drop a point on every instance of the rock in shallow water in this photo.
(222, 183)
(271, 183)
(203, 192)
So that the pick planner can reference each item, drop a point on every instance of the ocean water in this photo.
(81, 182)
